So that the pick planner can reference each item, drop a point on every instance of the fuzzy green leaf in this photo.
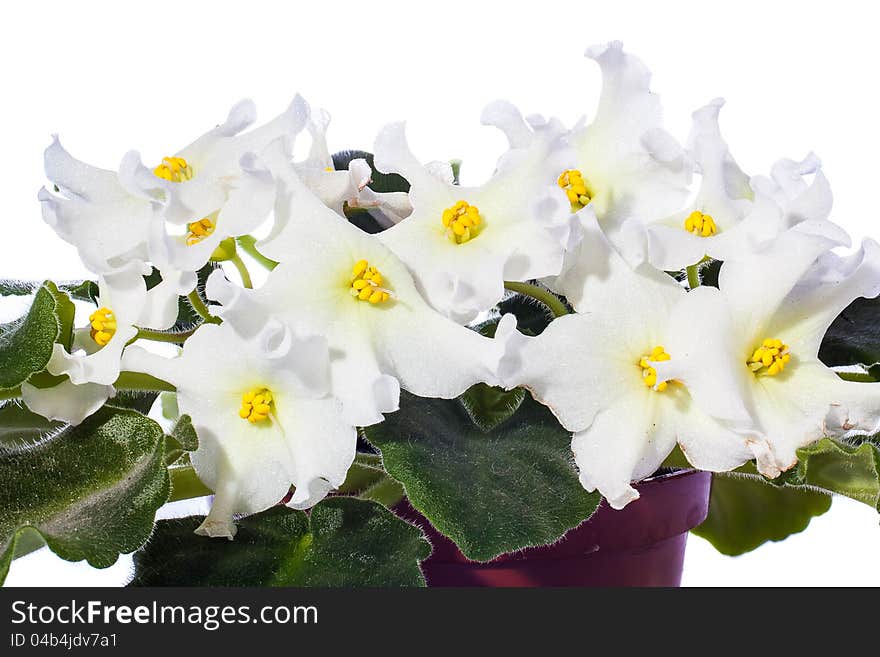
(851, 470)
(489, 406)
(490, 492)
(20, 427)
(91, 491)
(746, 512)
(26, 343)
(342, 542)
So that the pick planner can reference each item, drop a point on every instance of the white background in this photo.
(110, 77)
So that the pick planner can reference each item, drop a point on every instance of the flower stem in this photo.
(144, 382)
(544, 296)
(199, 306)
(693, 273)
(163, 336)
(242, 271)
(248, 245)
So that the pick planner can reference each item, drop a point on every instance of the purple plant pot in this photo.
(641, 545)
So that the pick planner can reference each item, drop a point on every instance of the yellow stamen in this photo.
(462, 222)
(174, 169)
(199, 230)
(770, 358)
(366, 284)
(575, 187)
(103, 325)
(256, 405)
(701, 225)
(649, 374)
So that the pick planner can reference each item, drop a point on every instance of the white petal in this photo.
(706, 356)
(79, 179)
(66, 401)
(756, 285)
(597, 278)
(582, 364)
(809, 309)
(792, 409)
(625, 443)
(633, 167)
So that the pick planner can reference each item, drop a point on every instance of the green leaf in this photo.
(26, 343)
(185, 434)
(851, 470)
(81, 290)
(343, 542)
(854, 337)
(20, 427)
(488, 406)
(746, 512)
(490, 492)
(13, 288)
(532, 316)
(379, 182)
(91, 491)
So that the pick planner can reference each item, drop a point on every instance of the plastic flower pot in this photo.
(640, 545)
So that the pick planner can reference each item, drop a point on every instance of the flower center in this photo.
(575, 187)
(366, 283)
(103, 323)
(462, 222)
(649, 374)
(175, 169)
(199, 230)
(701, 225)
(256, 405)
(770, 358)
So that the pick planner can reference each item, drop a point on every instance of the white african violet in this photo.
(347, 320)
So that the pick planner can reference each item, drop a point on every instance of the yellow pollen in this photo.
(174, 169)
(701, 225)
(256, 405)
(199, 230)
(462, 222)
(770, 358)
(366, 284)
(649, 374)
(103, 325)
(575, 187)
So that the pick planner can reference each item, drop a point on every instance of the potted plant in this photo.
(535, 377)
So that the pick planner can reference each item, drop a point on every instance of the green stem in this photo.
(242, 271)
(544, 296)
(693, 273)
(248, 245)
(163, 336)
(144, 382)
(199, 306)
(185, 484)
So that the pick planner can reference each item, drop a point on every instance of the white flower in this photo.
(596, 370)
(263, 419)
(728, 218)
(462, 243)
(104, 214)
(780, 303)
(93, 366)
(631, 167)
(336, 281)
(213, 188)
